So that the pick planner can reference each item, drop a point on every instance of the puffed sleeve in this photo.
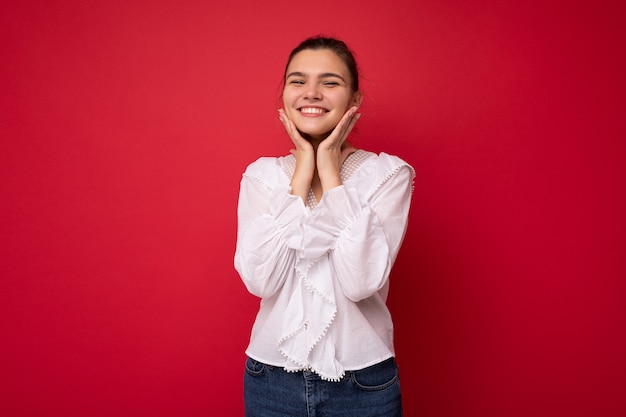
(268, 233)
(362, 238)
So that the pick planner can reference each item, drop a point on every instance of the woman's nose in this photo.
(312, 92)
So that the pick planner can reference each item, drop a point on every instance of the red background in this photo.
(125, 127)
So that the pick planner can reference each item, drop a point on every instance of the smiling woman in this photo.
(318, 233)
(318, 92)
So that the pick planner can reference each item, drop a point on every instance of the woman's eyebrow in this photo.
(295, 74)
(332, 75)
(323, 75)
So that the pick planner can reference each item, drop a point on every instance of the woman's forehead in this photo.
(313, 61)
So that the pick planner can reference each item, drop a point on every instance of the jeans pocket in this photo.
(254, 367)
(376, 377)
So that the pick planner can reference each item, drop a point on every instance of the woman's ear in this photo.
(357, 99)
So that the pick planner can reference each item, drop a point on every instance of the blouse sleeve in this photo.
(268, 232)
(362, 239)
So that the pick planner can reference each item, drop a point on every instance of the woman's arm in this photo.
(363, 241)
(268, 233)
(305, 159)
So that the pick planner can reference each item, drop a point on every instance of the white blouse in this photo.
(321, 269)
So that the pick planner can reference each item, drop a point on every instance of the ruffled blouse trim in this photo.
(302, 332)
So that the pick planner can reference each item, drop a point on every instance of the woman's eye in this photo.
(297, 82)
(331, 83)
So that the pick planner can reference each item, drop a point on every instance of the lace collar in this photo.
(350, 166)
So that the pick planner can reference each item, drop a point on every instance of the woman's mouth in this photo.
(312, 111)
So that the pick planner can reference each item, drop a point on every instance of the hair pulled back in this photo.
(332, 44)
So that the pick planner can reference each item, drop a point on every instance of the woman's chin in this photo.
(314, 134)
(315, 137)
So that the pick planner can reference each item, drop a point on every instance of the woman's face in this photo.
(318, 92)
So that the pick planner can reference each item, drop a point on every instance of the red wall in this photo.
(124, 130)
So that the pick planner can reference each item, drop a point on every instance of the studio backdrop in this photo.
(125, 127)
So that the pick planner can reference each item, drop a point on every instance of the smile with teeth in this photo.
(312, 110)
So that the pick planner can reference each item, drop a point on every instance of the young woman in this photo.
(318, 233)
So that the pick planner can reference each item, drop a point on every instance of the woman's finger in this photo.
(344, 127)
(291, 129)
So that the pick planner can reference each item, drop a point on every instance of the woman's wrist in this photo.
(330, 180)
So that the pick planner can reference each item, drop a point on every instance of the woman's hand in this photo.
(333, 151)
(305, 159)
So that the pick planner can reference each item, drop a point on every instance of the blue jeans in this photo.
(270, 391)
